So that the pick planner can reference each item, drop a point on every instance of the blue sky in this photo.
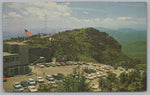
(69, 15)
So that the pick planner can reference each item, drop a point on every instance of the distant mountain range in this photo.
(126, 34)
(133, 42)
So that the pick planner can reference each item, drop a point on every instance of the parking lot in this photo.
(42, 72)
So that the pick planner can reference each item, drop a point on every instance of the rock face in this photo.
(87, 44)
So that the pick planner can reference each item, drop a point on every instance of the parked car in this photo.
(53, 64)
(85, 62)
(40, 79)
(69, 63)
(51, 82)
(62, 63)
(55, 75)
(4, 79)
(38, 64)
(41, 66)
(31, 81)
(103, 75)
(47, 64)
(21, 90)
(16, 85)
(91, 78)
(94, 64)
(93, 70)
(32, 89)
(50, 78)
(89, 70)
(24, 83)
(58, 64)
(75, 63)
(80, 63)
(108, 71)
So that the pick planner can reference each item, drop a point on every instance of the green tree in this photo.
(75, 82)
(111, 77)
(44, 88)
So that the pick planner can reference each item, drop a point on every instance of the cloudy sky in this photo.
(39, 17)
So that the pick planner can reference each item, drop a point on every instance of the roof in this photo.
(9, 54)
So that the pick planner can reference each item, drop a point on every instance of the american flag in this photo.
(27, 32)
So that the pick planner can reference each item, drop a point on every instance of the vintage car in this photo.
(49, 77)
(63, 63)
(51, 82)
(31, 81)
(53, 64)
(40, 79)
(47, 64)
(32, 89)
(24, 83)
(4, 79)
(21, 90)
(16, 85)
(58, 76)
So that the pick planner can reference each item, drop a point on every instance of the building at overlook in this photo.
(15, 58)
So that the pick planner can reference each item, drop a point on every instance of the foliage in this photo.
(44, 88)
(75, 82)
(109, 83)
(136, 50)
(132, 81)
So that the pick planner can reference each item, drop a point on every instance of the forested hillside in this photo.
(86, 44)
(133, 42)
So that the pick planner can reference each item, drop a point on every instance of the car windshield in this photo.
(16, 83)
(31, 80)
(49, 76)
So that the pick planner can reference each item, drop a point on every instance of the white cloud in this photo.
(134, 5)
(87, 9)
(39, 9)
(124, 18)
(108, 19)
(60, 16)
(85, 12)
(14, 14)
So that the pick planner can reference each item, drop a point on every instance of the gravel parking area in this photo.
(41, 72)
